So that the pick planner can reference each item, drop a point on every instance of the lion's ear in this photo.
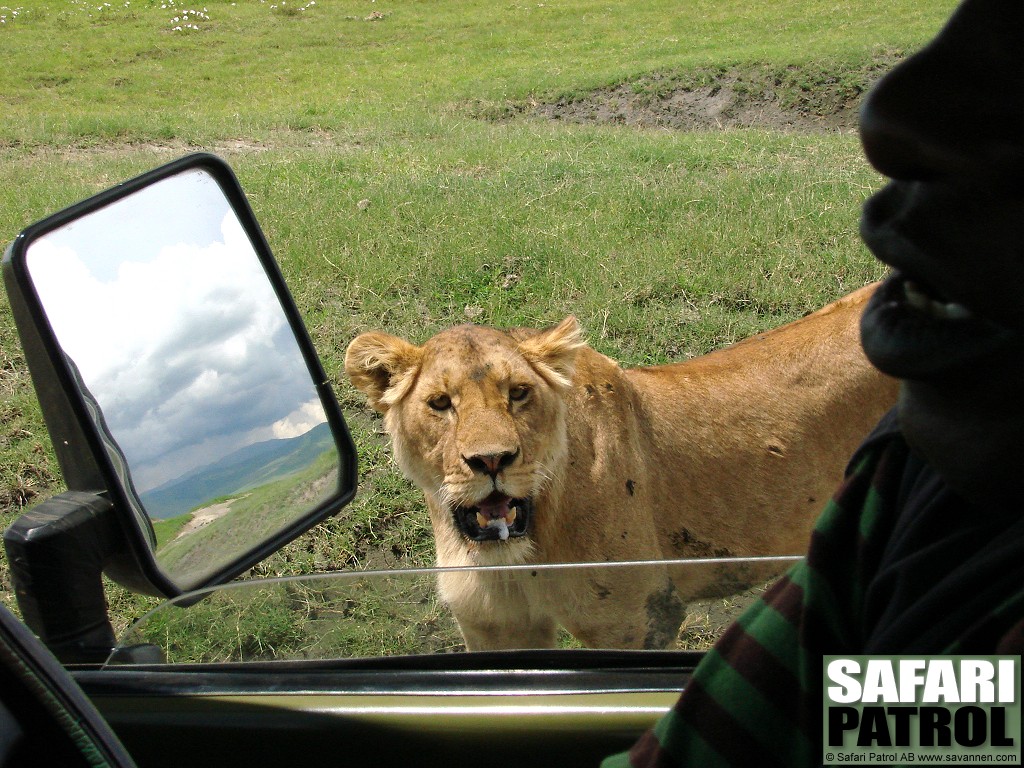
(378, 363)
(553, 351)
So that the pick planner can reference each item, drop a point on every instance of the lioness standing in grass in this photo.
(531, 447)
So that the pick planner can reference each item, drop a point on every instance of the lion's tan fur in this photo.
(729, 454)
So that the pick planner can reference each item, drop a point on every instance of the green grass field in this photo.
(417, 164)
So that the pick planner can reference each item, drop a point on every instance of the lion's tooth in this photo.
(511, 516)
(481, 520)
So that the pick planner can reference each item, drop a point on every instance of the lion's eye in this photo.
(518, 394)
(440, 402)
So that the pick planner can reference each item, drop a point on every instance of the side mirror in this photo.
(176, 378)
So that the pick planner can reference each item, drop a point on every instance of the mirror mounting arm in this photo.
(57, 553)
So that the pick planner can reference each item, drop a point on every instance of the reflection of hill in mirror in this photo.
(192, 546)
(249, 467)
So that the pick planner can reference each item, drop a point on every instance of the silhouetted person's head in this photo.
(947, 126)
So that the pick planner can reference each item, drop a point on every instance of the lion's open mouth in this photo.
(498, 517)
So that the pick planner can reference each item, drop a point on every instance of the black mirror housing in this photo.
(96, 459)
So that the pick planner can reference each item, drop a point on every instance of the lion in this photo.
(533, 448)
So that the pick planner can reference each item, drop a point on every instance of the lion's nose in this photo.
(490, 463)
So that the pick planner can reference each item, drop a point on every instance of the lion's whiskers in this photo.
(449, 498)
(549, 479)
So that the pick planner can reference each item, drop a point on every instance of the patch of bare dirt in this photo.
(790, 99)
(713, 107)
(171, 148)
(204, 517)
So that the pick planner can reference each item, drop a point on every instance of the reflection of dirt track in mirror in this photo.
(203, 517)
(230, 525)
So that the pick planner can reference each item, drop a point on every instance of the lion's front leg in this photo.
(494, 612)
(643, 612)
(491, 636)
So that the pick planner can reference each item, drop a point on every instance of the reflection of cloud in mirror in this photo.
(186, 349)
(299, 422)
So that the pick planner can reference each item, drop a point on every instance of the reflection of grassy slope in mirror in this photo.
(166, 530)
(228, 526)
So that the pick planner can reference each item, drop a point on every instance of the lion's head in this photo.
(476, 417)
